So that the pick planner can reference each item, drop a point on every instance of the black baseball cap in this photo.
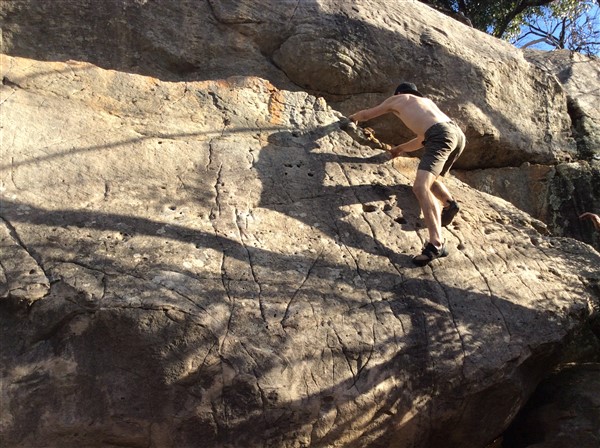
(407, 87)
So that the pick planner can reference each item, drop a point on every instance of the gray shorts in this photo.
(444, 143)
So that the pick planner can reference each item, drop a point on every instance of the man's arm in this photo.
(410, 146)
(592, 217)
(373, 112)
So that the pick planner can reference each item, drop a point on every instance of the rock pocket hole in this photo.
(369, 208)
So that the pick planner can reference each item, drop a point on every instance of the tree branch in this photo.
(501, 28)
(535, 41)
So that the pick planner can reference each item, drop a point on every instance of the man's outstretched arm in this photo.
(373, 112)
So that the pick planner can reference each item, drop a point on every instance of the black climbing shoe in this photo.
(430, 252)
(449, 212)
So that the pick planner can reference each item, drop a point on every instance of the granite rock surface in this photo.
(219, 263)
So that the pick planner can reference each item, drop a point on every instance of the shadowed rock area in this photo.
(202, 259)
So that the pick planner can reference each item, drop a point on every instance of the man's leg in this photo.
(450, 206)
(430, 206)
(441, 192)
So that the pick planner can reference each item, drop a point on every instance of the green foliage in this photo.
(571, 24)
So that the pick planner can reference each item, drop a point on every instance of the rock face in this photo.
(351, 54)
(217, 263)
(559, 194)
(580, 77)
(576, 187)
(195, 253)
(564, 411)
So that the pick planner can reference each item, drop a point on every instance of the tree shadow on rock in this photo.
(383, 361)
(303, 179)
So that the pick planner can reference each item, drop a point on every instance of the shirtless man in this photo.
(443, 142)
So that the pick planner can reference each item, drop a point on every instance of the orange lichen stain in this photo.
(222, 84)
(151, 81)
(276, 98)
(276, 105)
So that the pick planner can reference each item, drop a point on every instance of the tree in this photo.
(563, 25)
(490, 16)
(571, 24)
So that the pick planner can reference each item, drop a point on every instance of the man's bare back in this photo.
(418, 114)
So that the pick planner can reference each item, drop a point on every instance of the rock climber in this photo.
(443, 141)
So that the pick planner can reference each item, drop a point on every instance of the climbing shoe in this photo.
(449, 212)
(430, 253)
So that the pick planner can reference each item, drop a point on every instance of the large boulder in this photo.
(559, 194)
(352, 54)
(580, 77)
(217, 263)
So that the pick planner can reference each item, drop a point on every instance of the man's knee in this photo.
(423, 183)
(421, 189)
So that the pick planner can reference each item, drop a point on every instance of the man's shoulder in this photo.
(395, 101)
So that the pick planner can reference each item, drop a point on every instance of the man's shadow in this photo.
(304, 178)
